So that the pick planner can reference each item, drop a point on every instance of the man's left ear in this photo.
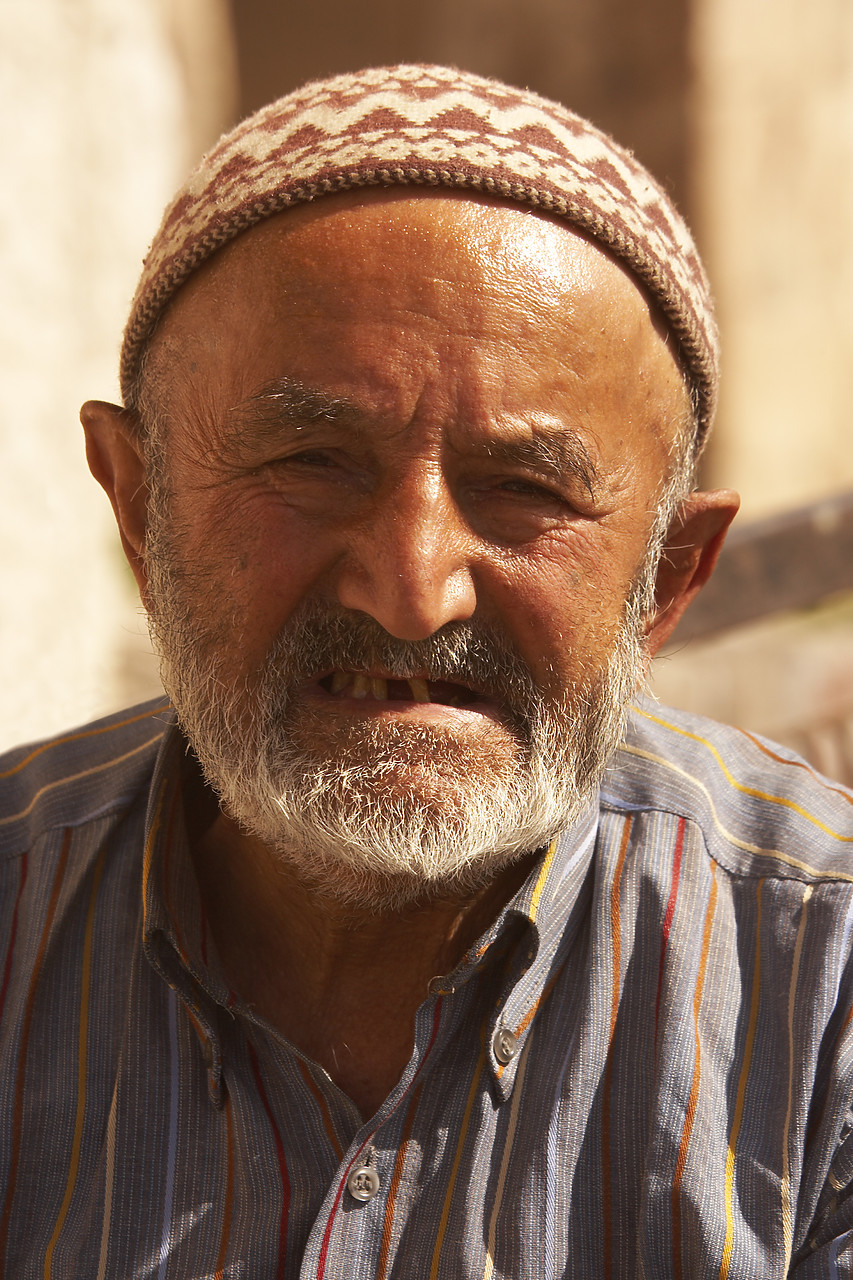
(692, 546)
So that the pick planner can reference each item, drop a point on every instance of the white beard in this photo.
(385, 813)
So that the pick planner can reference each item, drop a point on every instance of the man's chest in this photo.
(620, 1129)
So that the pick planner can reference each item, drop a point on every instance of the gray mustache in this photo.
(321, 638)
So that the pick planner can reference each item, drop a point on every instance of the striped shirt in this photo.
(644, 1068)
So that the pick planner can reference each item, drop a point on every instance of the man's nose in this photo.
(408, 561)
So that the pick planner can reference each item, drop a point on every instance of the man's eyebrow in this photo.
(556, 451)
(286, 403)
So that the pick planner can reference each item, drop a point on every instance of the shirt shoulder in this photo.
(763, 810)
(78, 776)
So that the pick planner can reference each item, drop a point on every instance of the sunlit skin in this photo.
(493, 409)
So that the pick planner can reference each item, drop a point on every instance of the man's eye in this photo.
(530, 488)
(314, 458)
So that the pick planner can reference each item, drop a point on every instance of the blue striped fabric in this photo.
(675, 975)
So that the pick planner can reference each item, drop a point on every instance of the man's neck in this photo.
(343, 985)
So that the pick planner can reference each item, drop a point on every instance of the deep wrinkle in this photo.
(286, 406)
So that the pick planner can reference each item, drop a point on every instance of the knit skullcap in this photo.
(427, 126)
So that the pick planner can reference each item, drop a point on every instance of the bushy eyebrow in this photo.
(556, 452)
(286, 404)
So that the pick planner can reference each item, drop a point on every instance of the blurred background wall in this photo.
(104, 106)
(743, 108)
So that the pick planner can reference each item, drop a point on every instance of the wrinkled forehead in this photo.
(351, 291)
(473, 243)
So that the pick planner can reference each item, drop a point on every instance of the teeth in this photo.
(420, 690)
(360, 686)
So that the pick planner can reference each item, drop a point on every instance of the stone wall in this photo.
(773, 197)
(105, 106)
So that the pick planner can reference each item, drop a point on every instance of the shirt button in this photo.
(363, 1183)
(505, 1045)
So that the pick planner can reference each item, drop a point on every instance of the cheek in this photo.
(563, 607)
(249, 562)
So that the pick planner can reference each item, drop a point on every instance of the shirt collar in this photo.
(553, 904)
(539, 923)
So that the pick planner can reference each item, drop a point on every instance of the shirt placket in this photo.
(351, 1235)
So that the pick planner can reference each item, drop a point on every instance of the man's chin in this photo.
(430, 732)
(414, 851)
(420, 764)
(397, 824)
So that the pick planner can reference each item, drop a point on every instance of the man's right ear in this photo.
(114, 454)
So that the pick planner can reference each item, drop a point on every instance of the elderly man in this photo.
(390, 951)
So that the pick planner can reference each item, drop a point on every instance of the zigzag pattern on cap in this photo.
(435, 127)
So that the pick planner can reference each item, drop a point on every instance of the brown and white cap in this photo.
(432, 126)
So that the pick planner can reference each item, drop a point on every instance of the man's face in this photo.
(411, 452)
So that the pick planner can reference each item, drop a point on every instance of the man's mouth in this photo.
(356, 684)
